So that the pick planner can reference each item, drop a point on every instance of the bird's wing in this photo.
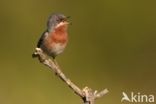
(43, 36)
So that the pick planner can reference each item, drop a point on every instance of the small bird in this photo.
(55, 38)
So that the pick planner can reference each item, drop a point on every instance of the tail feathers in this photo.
(34, 55)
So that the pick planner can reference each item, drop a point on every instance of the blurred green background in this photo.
(112, 44)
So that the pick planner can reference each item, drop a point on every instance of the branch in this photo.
(86, 93)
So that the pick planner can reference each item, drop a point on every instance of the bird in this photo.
(54, 39)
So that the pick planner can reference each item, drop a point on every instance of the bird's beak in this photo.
(67, 20)
(68, 17)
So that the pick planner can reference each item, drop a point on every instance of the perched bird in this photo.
(55, 38)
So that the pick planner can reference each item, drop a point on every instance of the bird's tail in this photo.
(34, 55)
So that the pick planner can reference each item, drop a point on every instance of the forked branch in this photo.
(87, 94)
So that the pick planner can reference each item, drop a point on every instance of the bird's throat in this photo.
(60, 35)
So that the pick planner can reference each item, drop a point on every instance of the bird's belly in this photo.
(57, 48)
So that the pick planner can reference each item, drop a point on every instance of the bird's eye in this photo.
(58, 20)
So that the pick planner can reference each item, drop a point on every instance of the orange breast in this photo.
(60, 35)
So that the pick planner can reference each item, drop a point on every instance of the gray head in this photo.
(54, 20)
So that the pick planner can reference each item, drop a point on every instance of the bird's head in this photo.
(56, 20)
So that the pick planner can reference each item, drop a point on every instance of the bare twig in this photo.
(86, 93)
